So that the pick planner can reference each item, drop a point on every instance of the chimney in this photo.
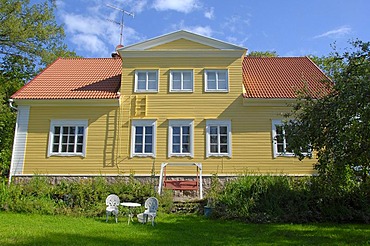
(115, 53)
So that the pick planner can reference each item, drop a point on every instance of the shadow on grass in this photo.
(192, 230)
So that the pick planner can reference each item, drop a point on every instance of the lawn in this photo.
(32, 229)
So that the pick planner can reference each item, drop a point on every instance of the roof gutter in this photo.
(11, 104)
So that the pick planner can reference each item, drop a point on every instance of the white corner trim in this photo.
(20, 140)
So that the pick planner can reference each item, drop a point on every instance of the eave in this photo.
(268, 102)
(68, 102)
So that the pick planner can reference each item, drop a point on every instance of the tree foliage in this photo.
(30, 39)
(337, 126)
(263, 54)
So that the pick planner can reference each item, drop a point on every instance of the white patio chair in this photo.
(112, 203)
(151, 206)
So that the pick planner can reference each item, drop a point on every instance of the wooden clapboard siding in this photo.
(251, 126)
(98, 140)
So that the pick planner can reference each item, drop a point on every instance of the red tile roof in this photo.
(282, 77)
(100, 78)
(75, 78)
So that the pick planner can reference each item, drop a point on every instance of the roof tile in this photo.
(75, 78)
(282, 77)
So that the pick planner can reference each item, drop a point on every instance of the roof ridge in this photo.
(275, 57)
(88, 58)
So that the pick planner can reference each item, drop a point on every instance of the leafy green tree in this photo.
(337, 126)
(30, 39)
(330, 65)
(263, 54)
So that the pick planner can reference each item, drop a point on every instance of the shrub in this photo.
(85, 197)
(263, 199)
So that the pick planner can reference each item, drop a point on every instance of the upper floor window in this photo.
(143, 137)
(280, 140)
(180, 138)
(181, 81)
(67, 137)
(146, 81)
(218, 138)
(216, 80)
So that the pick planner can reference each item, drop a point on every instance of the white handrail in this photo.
(199, 165)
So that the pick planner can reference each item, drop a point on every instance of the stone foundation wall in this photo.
(179, 195)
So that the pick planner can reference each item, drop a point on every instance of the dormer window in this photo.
(146, 81)
(216, 80)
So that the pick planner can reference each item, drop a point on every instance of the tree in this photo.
(263, 54)
(330, 65)
(337, 126)
(29, 40)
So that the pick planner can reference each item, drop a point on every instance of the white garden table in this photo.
(130, 205)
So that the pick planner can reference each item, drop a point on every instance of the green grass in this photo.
(32, 229)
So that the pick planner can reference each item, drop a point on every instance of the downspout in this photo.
(11, 101)
(11, 104)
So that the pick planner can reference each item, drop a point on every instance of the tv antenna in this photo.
(121, 24)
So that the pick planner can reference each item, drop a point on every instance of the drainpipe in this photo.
(11, 104)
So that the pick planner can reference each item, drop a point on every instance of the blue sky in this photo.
(289, 27)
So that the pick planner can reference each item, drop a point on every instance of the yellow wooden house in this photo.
(177, 98)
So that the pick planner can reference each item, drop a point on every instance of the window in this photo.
(218, 138)
(180, 138)
(67, 137)
(143, 136)
(280, 140)
(146, 81)
(216, 80)
(181, 81)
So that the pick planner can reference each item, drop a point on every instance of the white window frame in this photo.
(218, 123)
(143, 123)
(146, 82)
(182, 80)
(216, 71)
(180, 123)
(276, 153)
(67, 123)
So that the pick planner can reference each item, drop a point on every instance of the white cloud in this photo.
(336, 33)
(209, 14)
(89, 42)
(82, 24)
(237, 41)
(236, 23)
(202, 30)
(138, 6)
(184, 6)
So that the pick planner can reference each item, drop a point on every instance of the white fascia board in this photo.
(268, 102)
(182, 34)
(182, 53)
(68, 102)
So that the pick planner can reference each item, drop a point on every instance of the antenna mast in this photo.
(121, 24)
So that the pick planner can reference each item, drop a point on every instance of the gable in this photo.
(178, 36)
(182, 44)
